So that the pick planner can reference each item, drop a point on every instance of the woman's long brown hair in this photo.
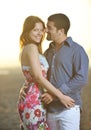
(28, 25)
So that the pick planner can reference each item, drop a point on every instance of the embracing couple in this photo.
(51, 96)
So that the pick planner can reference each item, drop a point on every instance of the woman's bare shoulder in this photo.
(30, 47)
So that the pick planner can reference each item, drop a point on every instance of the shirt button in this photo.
(51, 77)
(52, 66)
(53, 56)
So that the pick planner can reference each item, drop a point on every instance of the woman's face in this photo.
(37, 33)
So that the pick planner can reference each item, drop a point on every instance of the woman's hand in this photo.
(67, 101)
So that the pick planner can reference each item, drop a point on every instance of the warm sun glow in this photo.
(13, 14)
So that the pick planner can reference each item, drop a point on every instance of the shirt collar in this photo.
(68, 41)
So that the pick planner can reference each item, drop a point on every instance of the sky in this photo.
(14, 12)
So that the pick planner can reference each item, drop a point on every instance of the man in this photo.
(68, 71)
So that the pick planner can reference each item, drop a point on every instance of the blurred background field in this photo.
(11, 80)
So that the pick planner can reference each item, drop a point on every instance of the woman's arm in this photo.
(32, 56)
(33, 60)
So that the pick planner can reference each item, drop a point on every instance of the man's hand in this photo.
(22, 93)
(47, 98)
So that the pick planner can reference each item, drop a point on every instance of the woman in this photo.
(34, 67)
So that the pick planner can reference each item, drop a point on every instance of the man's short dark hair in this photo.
(60, 21)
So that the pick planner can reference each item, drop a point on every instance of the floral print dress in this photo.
(32, 110)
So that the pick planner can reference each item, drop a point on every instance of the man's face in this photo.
(51, 31)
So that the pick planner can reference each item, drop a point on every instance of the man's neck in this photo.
(59, 42)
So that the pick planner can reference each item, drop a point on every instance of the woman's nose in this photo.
(40, 32)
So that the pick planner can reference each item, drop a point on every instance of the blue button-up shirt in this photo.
(68, 71)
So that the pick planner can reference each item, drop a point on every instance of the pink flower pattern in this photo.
(32, 111)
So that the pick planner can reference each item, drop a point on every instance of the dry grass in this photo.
(10, 84)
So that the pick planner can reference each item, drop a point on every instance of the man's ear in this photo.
(61, 31)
